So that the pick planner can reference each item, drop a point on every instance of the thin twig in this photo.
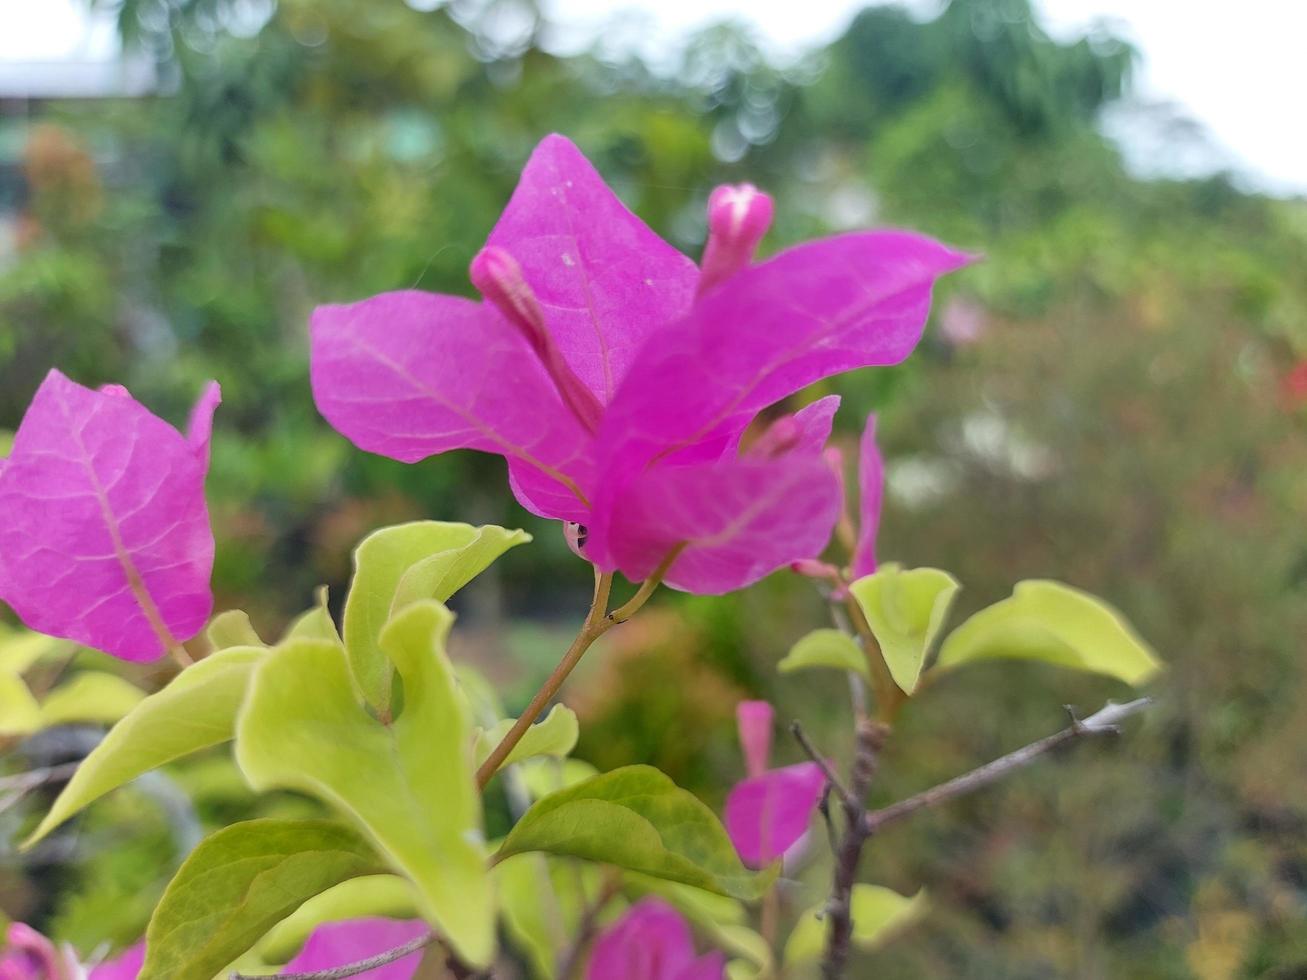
(870, 737)
(349, 969)
(1103, 722)
(832, 778)
(570, 962)
(14, 788)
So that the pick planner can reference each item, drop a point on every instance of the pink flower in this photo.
(617, 379)
(339, 943)
(28, 955)
(651, 942)
(104, 533)
(125, 966)
(769, 812)
(871, 478)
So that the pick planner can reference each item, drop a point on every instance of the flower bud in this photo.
(575, 535)
(754, 719)
(500, 280)
(738, 216)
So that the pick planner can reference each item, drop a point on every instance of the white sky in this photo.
(1236, 68)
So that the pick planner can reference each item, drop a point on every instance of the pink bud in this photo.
(754, 719)
(499, 278)
(778, 438)
(738, 216)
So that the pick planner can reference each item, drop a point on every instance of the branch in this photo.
(1103, 722)
(871, 737)
(349, 969)
(832, 778)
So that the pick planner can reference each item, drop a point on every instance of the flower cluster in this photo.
(619, 380)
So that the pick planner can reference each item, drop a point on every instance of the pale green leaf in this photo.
(20, 649)
(545, 775)
(238, 884)
(555, 736)
(195, 711)
(905, 610)
(481, 696)
(708, 909)
(232, 629)
(638, 819)
(91, 696)
(826, 648)
(384, 895)
(399, 565)
(542, 901)
(1049, 621)
(19, 712)
(879, 914)
(740, 940)
(409, 784)
(742, 970)
(315, 624)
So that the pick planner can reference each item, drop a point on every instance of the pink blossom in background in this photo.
(769, 812)
(340, 943)
(962, 321)
(28, 955)
(871, 493)
(104, 532)
(651, 942)
(125, 966)
(617, 380)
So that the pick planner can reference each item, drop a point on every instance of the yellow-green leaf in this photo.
(410, 784)
(239, 883)
(1049, 621)
(20, 649)
(399, 565)
(542, 901)
(826, 648)
(555, 736)
(879, 914)
(197, 710)
(905, 610)
(638, 819)
(19, 712)
(232, 629)
(388, 896)
(315, 624)
(92, 696)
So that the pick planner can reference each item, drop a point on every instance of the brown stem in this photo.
(1103, 722)
(598, 621)
(870, 737)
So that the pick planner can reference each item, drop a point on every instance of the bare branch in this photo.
(1103, 722)
(832, 778)
(349, 969)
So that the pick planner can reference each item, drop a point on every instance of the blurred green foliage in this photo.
(1099, 401)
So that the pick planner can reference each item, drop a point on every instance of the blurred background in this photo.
(1116, 397)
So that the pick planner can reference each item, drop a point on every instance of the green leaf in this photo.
(19, 712)
(20, 649)
(542, 901)
(707, 909)
(905, 610)
(232, 629)
(409, 784)
(826, 648)
(878, 913)
(544, 775)
(195, 711)
(316, 624)
(555, 736)
(238, 884)
(1049, 621)
(388, 896)
(399, 565)
(91, 696)
(638, 819)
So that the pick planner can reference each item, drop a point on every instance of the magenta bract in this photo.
(336, 944)
(125, 966)
(25, 954)
(104, 532)
(651, 942)
(618, 383)
(871, 481)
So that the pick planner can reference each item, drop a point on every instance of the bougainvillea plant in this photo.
(623, 384)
